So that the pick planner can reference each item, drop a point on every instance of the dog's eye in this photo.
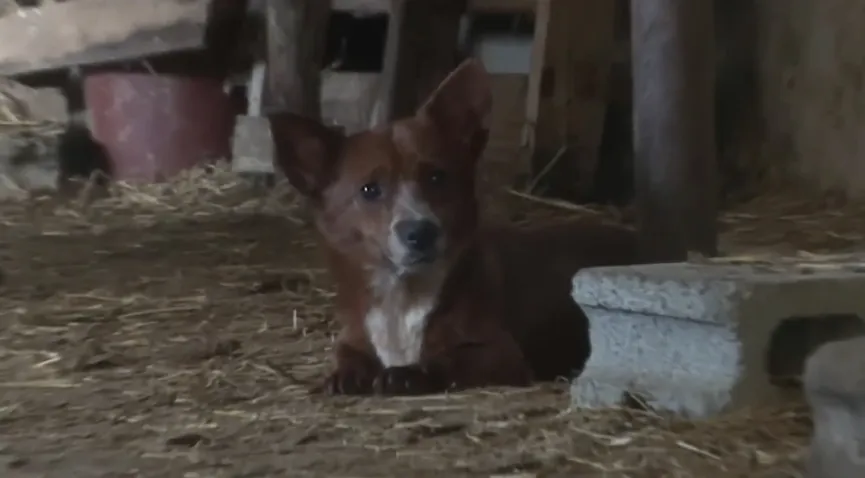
(437, 177)
(370, 191)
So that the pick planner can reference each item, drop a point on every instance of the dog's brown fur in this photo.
(486, 305)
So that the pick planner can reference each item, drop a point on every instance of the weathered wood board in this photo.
(368, 7)
(296, 35)
(675, 166)
(422, 46)
(345, 102)
(573, 50)
(87, 32)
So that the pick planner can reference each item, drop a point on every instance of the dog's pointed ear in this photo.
(305, 150)
(460, 108)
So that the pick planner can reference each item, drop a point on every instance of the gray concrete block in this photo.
(252, 146)
(29, 161)
(33, 104)
(835, 388)
(702, 339)
(347, 99)
(33, 118)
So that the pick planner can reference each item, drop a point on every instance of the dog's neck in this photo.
(398, 312)
(384, 284)
(393, 309)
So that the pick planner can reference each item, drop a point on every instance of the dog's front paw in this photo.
(408, 380)
(349, 382)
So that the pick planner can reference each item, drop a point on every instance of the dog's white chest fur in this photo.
(396, 325)
(398, 341)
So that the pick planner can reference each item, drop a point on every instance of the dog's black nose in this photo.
(418, 235)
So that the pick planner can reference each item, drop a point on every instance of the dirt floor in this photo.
(173, 331)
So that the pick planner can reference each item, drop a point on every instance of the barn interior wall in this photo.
(502, 41)
(790, 96)
(813, 82)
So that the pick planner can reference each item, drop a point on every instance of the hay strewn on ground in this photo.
(174, 330)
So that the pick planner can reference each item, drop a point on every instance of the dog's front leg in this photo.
(491, 358)
(356, 368)
(410, 380)
(486, 361)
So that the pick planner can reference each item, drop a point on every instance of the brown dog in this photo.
(429, 300)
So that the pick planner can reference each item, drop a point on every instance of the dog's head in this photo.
(399, 199)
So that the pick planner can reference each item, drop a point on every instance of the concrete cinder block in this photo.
(252, 146)
(33, 104)
(347, 99)
(702, 339)
(835, 387)
(29, 161)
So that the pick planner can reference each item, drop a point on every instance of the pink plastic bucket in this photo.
(154, 126)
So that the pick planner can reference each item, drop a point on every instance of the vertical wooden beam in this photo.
(296, 33)
(567, 96)
(422, 48)
(674, 130)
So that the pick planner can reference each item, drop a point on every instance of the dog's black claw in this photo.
(348, 383)
(409, 380)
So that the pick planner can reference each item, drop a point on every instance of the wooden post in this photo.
(567, 97)
(422, 48)
(296, 33)
(674, 127)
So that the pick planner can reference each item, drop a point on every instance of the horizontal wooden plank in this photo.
(362, 7)
(87, 32)
(490, 6)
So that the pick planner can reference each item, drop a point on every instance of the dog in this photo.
(430, 299)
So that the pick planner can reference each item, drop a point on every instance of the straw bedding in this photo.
(173, 330)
